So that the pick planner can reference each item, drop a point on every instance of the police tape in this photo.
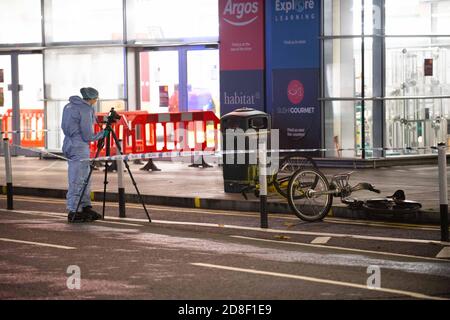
(212, 153)
(27, 130)
(40, 151)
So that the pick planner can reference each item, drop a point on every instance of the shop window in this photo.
(172, 21)
(20, 22)
(83, 20)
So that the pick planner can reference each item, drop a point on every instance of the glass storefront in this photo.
(385, 79)
(416, 69)
(386, 76)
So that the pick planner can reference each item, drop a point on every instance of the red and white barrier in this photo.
(144, 132)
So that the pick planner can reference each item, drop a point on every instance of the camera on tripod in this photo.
(112, 117)
(108, 132)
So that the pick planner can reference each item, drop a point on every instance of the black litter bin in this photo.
(238, 175)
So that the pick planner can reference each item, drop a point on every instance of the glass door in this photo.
(203, 80)
(31, 101)
(159, 81)
(179, 79)
(21, 101)
(5, 94)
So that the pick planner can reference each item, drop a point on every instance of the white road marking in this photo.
(444, 253)
(64, 217)
(383, 224)
(319, 280)
(278, 231)
(37, 244)
(342, 248)
(425, 168)
(321, 240)
(246, 214)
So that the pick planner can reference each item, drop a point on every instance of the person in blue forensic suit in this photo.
(77, 124)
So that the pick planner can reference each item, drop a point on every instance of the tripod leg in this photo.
(105, 182)
(137, 190)
(116, 140)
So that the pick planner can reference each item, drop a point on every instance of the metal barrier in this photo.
(143, 132)
(32, 125)
(121, 129)
(140, 131)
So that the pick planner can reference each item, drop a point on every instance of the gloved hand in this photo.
(101, 143)
(105, 133)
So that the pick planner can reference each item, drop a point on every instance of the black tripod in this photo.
(112, 117)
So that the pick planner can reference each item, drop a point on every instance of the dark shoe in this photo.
(77, 217)
(94, 215)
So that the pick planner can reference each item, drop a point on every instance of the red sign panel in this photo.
(241, 34)
(428, 67)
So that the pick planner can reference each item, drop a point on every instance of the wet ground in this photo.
(206, 254)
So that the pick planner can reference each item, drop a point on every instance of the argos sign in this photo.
(240, 13)
(241, 34)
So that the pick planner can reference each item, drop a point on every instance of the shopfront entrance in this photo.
(179, 79)
(22, 100)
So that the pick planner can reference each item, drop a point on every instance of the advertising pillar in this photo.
(241, 35)
(293, 68)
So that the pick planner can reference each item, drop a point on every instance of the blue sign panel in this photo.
(293, 68)
(241, 89)
(295, 109)
(293, 27)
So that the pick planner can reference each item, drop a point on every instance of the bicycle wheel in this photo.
(306, 197)
(390, 206)
(287, 167)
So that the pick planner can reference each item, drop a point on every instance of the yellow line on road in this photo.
(322, 281)
(197, 202)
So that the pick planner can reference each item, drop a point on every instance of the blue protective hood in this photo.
(76, 100)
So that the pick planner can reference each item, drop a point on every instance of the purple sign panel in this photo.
(295, 108)
(241, 89)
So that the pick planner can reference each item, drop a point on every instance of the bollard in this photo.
(262, 157)
(8, 169)
(443, 198)
(121, 185)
